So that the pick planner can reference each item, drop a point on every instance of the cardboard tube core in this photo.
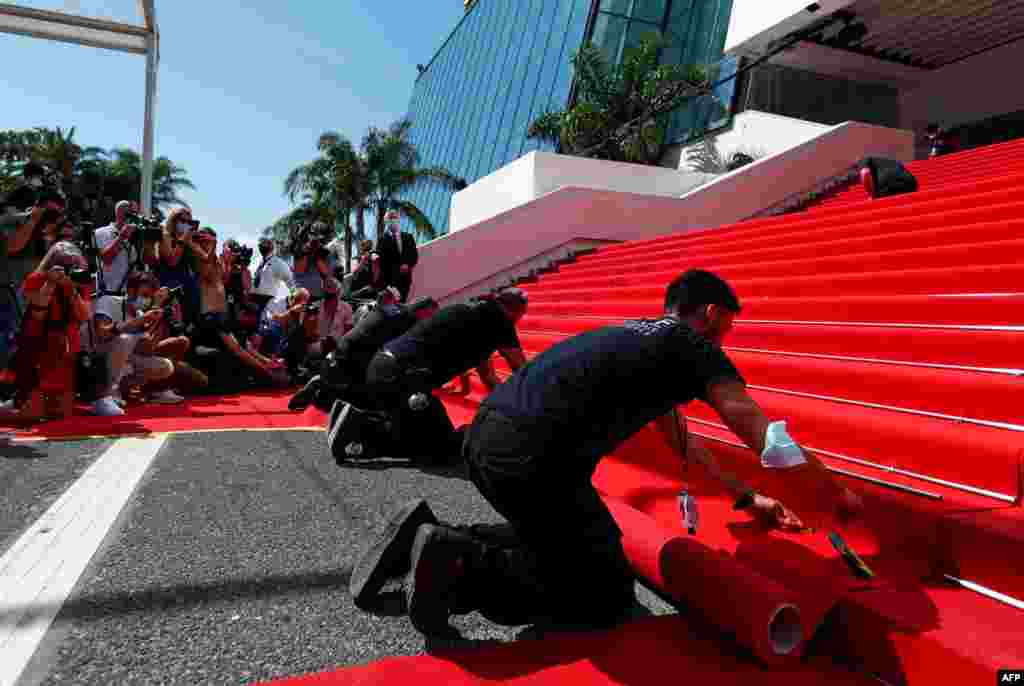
(784, 630)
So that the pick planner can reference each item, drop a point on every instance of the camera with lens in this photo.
(313, 306)
(312, 241)
(81, 277)
(244, 255)
(174, 295)
(148, 229)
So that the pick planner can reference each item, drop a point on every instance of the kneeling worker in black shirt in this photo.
(346, 370)
(403, 373)
(532, 450)
(449, 344)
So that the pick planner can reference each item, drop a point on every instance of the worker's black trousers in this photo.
(564, 563)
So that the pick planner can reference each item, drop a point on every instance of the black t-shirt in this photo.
(456, 339)
(384, 324)
(590, 392)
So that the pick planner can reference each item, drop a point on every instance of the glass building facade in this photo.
(509, 61)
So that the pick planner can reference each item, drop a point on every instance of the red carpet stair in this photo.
(890, 335)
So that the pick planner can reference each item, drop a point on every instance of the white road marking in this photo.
(38, 573)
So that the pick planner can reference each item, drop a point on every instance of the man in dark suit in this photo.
(398, 254)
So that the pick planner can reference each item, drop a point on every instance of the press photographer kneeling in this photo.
(121, 324)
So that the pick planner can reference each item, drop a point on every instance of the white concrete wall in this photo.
(772, 180)
(539, 173)
(767, 134)
(754, 23)
(452, 263)
(977, 88)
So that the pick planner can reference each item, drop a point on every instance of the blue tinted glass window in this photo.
(512, 128)
(512, 81)
(475, 103)
(484, 106)
(650, 10)
(535, 70)
(505, 56)
(617, 6)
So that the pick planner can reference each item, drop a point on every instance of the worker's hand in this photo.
(775, 514)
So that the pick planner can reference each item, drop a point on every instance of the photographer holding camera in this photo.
(123, 324)
(130, 242)
(57, 293)
(174, 269)
(25, 215)
(214, 325)
(312, 259)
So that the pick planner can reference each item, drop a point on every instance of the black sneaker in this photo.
(389, 556)
(436, 565)
(301, 400)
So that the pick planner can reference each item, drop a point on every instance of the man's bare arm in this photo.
(748, 421)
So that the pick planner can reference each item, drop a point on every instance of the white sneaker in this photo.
(202, 350)
(167, 397)
(107, 407)
(7, 405)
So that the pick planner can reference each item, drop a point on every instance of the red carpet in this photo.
(651, 652)
(888, 334)
(257, 410)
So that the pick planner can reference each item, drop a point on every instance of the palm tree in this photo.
(620, 111)
(392, 167)
(335, 185)
(168, 177)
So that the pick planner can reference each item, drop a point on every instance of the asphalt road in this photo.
(231, 563)
(34, 475)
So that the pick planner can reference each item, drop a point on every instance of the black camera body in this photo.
(314, 304)
(147, 229)
(244, 257)
(173, 295)
(81, 277)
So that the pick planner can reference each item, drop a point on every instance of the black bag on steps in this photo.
(890, 177)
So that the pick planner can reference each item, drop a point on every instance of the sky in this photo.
(243, 93)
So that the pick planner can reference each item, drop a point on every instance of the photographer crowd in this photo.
(147, 311)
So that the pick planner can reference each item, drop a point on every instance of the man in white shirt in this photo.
(273, 277)
(115, 245)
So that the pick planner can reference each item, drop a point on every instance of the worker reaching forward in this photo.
(532, 450)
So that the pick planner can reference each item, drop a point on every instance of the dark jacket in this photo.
(391, 259)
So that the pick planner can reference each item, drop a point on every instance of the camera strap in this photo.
(681, 438)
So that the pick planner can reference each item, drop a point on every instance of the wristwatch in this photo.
(744, 501)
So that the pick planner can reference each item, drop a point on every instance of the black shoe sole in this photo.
(340, 413)
(389, 556)
(426, 601)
